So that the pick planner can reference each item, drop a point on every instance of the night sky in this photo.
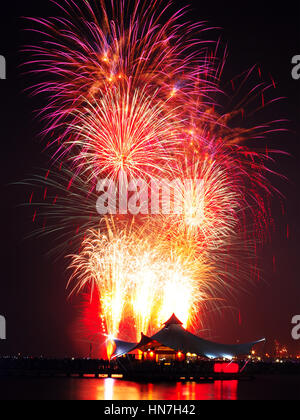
(33, 296)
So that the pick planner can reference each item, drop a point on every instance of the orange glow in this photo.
(173, 92)
(180, 356)
(137, 278)
(110, 348)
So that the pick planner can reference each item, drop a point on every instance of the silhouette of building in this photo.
(176, 343)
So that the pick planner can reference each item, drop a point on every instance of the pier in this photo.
(138, 371)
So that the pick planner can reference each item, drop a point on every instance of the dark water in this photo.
(263, 387)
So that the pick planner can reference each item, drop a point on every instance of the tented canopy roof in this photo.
(175, 337)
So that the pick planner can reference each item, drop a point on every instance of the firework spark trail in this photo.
(134, 89)
(139, 278)
(125, 132)
(90, 55)
(210, 198)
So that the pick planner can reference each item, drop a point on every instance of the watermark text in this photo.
(296, 68)
(137, 196)
(2, 67)
(296, 329)
(2, 328)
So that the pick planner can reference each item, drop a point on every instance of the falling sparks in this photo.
(137, 93)
(138, 278)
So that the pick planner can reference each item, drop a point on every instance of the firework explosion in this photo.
(137, 280)
(133, 89)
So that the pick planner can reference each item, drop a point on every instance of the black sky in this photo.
(33, 298)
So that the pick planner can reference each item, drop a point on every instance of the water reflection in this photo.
(112, 389)
(109, 389)
(263, 387)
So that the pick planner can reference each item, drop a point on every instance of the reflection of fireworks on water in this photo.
(136, 90)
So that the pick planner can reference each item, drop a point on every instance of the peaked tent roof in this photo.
(174, 336)
(173, 320)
